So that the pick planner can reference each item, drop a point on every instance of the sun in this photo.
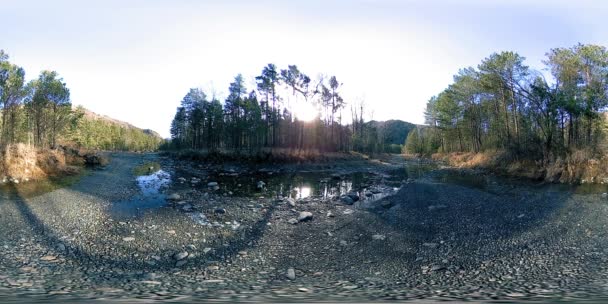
(305, 111)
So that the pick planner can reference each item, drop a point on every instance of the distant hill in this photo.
(96, 131)
(88, 114)
(394, 131)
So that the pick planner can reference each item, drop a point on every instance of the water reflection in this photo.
(150, 197)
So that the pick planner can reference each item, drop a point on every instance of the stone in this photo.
(181, 263)
(436, 207)
(48, 258)
(430, 245)
(174, 197)
(386, 204)
(128, 239)
(604, 195)
(291, 274)
(347, 200)
(260, 185)
(212, 184)
(293, 221)
(180, 255)
(220, 211)
(353, 195)
(379, 237)
(305, 216)
(291, 201)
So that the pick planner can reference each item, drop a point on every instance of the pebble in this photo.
(128, 239)
(180, 255)
(291, 274)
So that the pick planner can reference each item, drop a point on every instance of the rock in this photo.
(187, 207)
(379, 237)
(369, 193)
(437, 267)
(260, 185)
(604, 195)
(353, 195)
(304, 216)
(430, 245)
(180, 255)
(386, 204)
(48, 258)
(191, 247)
(219, 211)
(291, 274)
(174, 197)
(348, 211)
(242, 253)
(206, 250)
(336, 176)
(61, 247)
(293, 221)
(212, 184)
(200, 219)
(128, 239)
(181, 263)
(347, 200)
(343, 243)
(291, 201)
(302, 289)
(437, 207)
(329, 214)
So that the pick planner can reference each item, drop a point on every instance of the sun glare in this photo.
(305, 111)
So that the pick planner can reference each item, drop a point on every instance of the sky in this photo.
(134, 60)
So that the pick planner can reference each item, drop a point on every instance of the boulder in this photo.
(347, 200)
(305, 216)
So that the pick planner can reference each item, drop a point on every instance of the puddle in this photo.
(296, 185)
(10, 191)
(149, 198)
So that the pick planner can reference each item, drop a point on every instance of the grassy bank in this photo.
(577, 167)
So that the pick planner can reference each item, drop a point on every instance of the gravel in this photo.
(431, 240)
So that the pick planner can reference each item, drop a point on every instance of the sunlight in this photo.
(305, 111)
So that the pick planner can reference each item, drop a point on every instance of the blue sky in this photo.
(135, 60)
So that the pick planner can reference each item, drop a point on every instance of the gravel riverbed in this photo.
(429, 240)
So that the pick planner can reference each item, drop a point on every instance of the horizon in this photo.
(118, 58)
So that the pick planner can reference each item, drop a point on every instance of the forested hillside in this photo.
(267, 116)
(505, 105)
(93, 131)
(39, 113)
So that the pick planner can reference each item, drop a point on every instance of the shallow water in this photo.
(35, 188)
(151, 196)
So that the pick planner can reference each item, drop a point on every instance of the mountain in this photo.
(394, 131)
(95, 131)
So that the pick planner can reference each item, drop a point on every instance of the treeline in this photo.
(249, 120)
(39, 113)
(504, 104)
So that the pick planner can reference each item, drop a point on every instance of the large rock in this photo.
(304, 216)
(353, 195)
(347, 200)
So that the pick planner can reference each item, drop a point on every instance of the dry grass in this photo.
(22, 162)
(581, 166)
